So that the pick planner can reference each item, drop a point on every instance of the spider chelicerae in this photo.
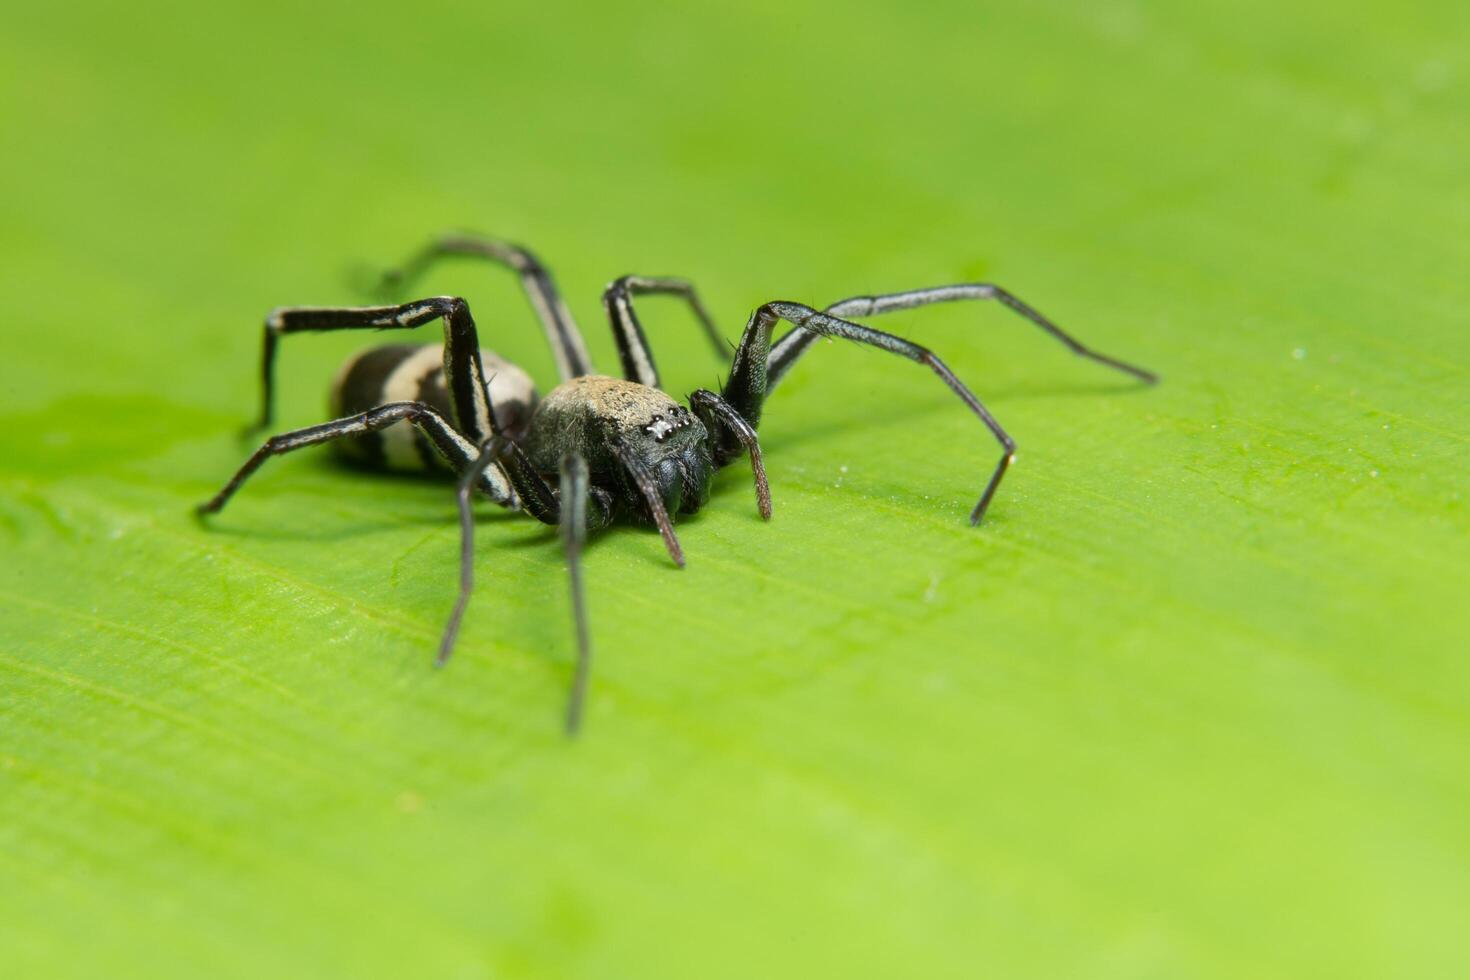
(595, 449)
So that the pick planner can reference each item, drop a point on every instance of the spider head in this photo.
(673, 447)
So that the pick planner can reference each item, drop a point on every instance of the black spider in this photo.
(621, 446)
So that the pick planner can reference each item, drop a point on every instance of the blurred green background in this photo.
(1191, 704)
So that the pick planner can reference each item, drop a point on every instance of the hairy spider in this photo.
(596, 449)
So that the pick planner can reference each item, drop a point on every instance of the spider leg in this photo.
(566, 342)
(574, 536)
(648, 487)
(748, 384)
(538, 498)
(467, 483)
(501, 456)
(719, 415)
(789, 348)
(633, 349)
(568, 506)
(462, 367)
(455, 448)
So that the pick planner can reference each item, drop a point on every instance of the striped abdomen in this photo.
(414, 372)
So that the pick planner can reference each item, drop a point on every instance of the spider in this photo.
(595, 449)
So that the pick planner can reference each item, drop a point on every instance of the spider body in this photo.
(595, 449)
(415, 372)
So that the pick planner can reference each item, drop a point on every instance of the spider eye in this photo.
(660, 428)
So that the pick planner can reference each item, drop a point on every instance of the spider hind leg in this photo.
(456, 450)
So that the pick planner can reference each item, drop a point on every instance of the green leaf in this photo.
(1191, 703)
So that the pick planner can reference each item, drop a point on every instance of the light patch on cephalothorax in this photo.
(627, 403)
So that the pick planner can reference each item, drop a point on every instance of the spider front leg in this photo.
(749, 383)
(633, 350)
(789, 348)
(574, 498)
(724, 423)
(573, 507)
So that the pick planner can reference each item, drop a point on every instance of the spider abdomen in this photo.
(415, 372)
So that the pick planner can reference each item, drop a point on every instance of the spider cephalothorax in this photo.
(629, 434)
(595, 449)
